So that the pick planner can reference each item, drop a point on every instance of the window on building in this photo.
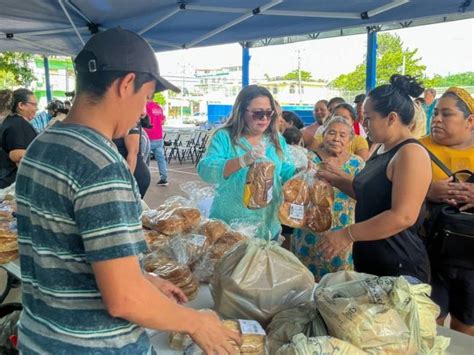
(275, 90)
(292, 89)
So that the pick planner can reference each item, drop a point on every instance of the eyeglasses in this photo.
(35, 104)
(260, 115)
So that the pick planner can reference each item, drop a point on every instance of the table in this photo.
(461, 344)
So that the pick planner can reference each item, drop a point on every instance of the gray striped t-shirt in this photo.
(77, 204)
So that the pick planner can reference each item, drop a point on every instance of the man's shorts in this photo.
(453, 291)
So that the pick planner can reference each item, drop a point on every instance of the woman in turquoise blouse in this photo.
(250, 134)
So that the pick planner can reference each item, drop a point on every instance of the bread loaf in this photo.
(318, 218)
(292, 215)
(296, 191)
(322, 193)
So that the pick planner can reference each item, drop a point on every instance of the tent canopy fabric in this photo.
(60, 27)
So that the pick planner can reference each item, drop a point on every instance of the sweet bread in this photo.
(296, 191)
(322, 193)
(291, 215)
(213, 229)
(191, 217)
(251, 343)
(318, 218)
(258, 192)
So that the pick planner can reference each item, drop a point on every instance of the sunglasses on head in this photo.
(260, 115)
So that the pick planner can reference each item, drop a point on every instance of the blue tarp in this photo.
(43, 26)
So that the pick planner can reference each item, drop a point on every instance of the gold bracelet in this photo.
(350, 234)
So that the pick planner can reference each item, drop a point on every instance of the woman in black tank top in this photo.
(390, 190)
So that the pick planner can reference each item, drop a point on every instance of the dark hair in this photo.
(292, 135)
(96, 84)
(461, 105)
(235, 124)
(421, 100)
(349, 108)
(291, 117)
(6, 101)
(19, 96)
(395, 97)
(336, 101)
(145, 122)
(57, 106)
(326, 102)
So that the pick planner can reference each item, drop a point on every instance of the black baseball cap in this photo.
(117, 49)
(359, 98)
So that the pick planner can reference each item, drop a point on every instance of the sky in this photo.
(445, 48)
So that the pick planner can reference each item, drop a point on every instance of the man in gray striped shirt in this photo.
(79, 220)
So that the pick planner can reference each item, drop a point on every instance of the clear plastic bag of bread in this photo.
(285, 325)
(225, 238)
(321, 345)
(380, 315)
(172, 218)
(257, 279)
(189, 248)
(258, 189)
(165, 266)
(318, 216)
(200, 195)
(252, 335)
(296, 199)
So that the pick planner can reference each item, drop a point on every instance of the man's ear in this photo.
(126, 85)
(470, 121)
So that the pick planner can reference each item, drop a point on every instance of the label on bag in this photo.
(250, 327)
(198, 240)
(270, 195)
(296, 211)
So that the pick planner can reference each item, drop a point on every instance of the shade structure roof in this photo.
(60, 27)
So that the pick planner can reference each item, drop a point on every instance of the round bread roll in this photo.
(191, 216)
(284, 215)
(171, 226)
(296, 191)
(213, 229)
(251, 343)
(318, 219)
(6, 257)
(154, 239)
(322, 193)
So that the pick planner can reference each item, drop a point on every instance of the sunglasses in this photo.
(260, 115)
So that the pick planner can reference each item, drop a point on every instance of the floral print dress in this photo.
(303, 242)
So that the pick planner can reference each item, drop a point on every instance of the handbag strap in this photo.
(440, 164)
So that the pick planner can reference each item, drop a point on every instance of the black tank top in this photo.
(401, 254)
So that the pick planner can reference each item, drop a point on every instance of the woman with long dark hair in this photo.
(250, 134)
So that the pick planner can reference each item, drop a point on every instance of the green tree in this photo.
(390, 54)
(160, 99)
(15, 70)
(305, 75)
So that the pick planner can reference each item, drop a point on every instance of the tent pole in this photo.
(49, 96)
(371, 68)
(245, 66)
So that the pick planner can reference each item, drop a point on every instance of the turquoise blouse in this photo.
(228, 204)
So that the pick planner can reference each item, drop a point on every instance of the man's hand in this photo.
(167, 288)
(212, 336)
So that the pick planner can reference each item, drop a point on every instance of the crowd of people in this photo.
(387, 186)
(82, 170)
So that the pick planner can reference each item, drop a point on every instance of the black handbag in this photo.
(450, 232)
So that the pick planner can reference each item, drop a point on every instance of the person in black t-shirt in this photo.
(130, 148)
(16, 134)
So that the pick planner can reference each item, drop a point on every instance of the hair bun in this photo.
(406, 85)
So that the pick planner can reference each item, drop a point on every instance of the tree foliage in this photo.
(459, 79)
(305, 75)
(15, 69)
(390, 53)
(159, 98)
